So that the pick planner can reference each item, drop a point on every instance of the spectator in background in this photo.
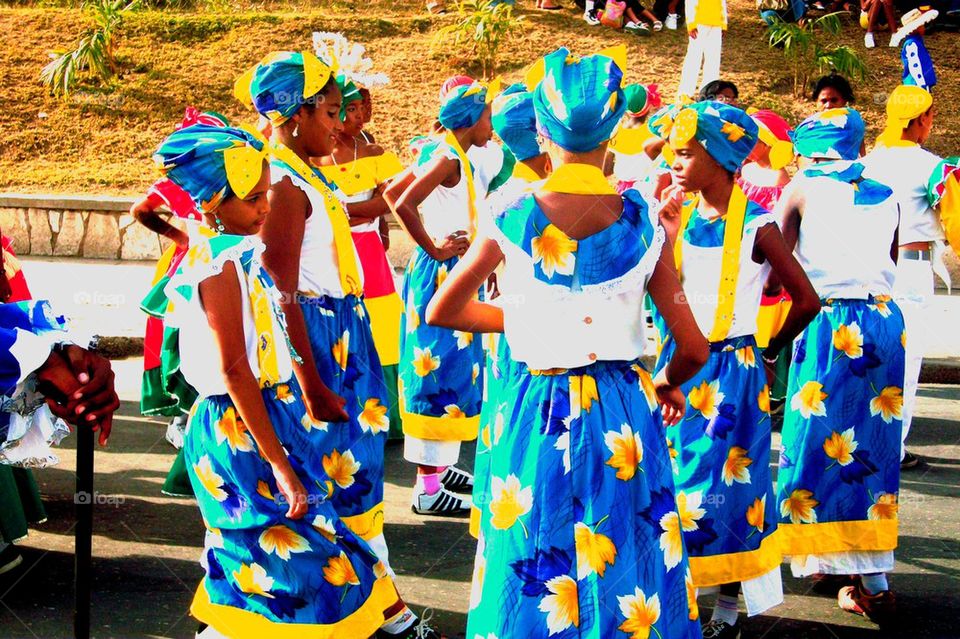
(873, 20)
(721, 91)
(785, 10)
(706, 22)
(832, 92)
(917, 64)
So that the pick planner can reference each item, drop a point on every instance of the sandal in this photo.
(436, 8)
(657, 25)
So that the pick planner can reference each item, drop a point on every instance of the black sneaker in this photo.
(441, 504)
(459, 481)
(721, 630)
(10, 558)
(909, 461)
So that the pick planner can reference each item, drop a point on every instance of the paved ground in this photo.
(146, 545)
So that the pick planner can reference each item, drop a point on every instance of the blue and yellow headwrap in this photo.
(281, 83)
(211, 163)
(579, 102)
(834, 134)
(515, 122)
(462, 106)
(727, 133)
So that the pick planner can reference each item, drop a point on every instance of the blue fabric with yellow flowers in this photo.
(579, 534)
(579, 102)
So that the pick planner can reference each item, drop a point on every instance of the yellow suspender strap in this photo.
(343, 241)
(730, 265)
(266, 338)
(467, 171)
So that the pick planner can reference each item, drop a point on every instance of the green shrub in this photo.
(94, 54)
(486, 24)
(804, 46)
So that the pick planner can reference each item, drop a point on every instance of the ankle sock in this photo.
(874, 583)
(399, 622)
(431, 483)
(725, 609)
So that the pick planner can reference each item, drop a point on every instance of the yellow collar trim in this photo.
(523, 172)
(578, 179)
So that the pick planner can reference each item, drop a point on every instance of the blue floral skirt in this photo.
(441, 382)
(347, 360)
(721, 455)
(267, 575)
(497, 386)
(840, 460)
(580, 536)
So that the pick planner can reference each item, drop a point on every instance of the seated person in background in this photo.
(721, 91)
(832, 91)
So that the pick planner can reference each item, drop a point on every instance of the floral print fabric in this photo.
(840, 460)
(347, 361)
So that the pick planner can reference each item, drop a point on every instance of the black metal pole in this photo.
(83, 539)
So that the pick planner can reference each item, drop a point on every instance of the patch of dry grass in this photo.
(100, 139)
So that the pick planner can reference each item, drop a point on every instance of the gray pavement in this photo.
(146, 546)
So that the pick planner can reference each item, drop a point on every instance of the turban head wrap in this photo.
(515, 122)
(834, 134)
(282, 83)
(462, 105)
(726, 132)
(349, 92)
(905, 103)
(579, 102)
(775, 132)
(211, 163)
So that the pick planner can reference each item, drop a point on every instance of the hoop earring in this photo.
(296, 131)
(218, 225)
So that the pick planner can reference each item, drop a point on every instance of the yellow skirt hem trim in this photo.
(445, 429)
(838, 536)
(244, 624)
(366, 525)
(741, 566)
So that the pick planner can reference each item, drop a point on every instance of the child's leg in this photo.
(891, 16)
(725, 609)
(712, 48)
(691, 66)
(648, 15)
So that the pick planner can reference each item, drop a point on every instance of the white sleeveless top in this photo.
(702, 265)
(843, 247)
(319, 267)
(199, 353)
(590, 308)
(906, 170)
(445, 210)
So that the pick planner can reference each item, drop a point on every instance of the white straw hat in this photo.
(911, 21)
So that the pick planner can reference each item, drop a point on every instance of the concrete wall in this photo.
(100, 228)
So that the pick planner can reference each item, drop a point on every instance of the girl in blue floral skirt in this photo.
(581, 536)
(840, 458)
(278, 559)
(311, 252)
(725, 246)
(441, 371)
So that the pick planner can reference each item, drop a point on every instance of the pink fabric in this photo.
(431, 483)
(765, 196)
(774, 123)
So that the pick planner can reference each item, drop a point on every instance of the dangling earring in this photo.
(218, 224)
(296, 131)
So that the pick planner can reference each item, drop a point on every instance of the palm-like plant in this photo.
(485, 23)
(94, 54)
(803, 44)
